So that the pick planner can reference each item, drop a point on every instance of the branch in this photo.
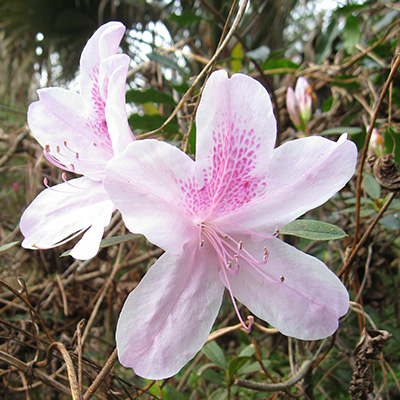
(275, 387)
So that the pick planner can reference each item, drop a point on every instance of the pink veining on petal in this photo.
(229, 183)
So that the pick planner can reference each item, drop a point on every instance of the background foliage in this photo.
(349, 54)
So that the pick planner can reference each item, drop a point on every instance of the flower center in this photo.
(230, 253)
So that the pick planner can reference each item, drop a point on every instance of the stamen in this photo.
(250, 319)
(64, 178)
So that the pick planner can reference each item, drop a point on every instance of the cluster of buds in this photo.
(299, 104)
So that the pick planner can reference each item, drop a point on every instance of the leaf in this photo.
(213, 376)
(247, 351)
(150, 122)
(341, 129)
(237, 57)
(372, 187)
(349, 82)
(325, 41)
(236, 364)
(280, 66)
(215, 354)
(351, 34)
(170, 393)
(313, 230)
(185, 18)
(148, 96)
(111, 241)
(391, 222)
(219, 394)
(8, 246)
(252, 367)
(165, 61)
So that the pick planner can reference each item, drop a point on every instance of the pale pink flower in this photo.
(299, 103)
(80, 133)
(214, 218)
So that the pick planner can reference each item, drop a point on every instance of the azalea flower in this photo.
(216, 219)
(80, 133)
(299, 103)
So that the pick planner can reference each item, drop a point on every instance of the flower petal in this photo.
(292, 106)
(103, 44)
(115, 69)
(64, 210)
(236, 132)
(166, 320)
(57, 120)
(146, 183)
(303, 174)
(307, 305)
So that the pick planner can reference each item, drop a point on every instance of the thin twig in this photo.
(239, 15)
(102, 375)
(350, 259)
(365, 149)
(275, 387)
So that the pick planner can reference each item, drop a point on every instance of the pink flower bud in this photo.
(299, 103)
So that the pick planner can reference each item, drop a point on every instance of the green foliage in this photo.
(313, 230)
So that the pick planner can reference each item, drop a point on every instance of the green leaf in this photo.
(213, 376)
(325, 41)
(237, 57)
(236, 364)
(391, 222)
(351, 34)
(185, 18)
(215, 354)
(280, 66)
(219, 394)
(8, 246)
(165, 61)
(372, 187)
(252, 367)
(150, 122)
(170, 393)
(111, 241)
(148, 96)
(247, 351)
(313, 230)
(341, 129)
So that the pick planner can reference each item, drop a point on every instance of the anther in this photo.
(76, 155)
(47, 148)
(95, 144)
(240, 245)
(72, 167)
(276, 231)
(58, 149)
(201, 242)
(282, 278)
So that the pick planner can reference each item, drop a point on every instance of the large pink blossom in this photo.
(215, 217)
(80, 133)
